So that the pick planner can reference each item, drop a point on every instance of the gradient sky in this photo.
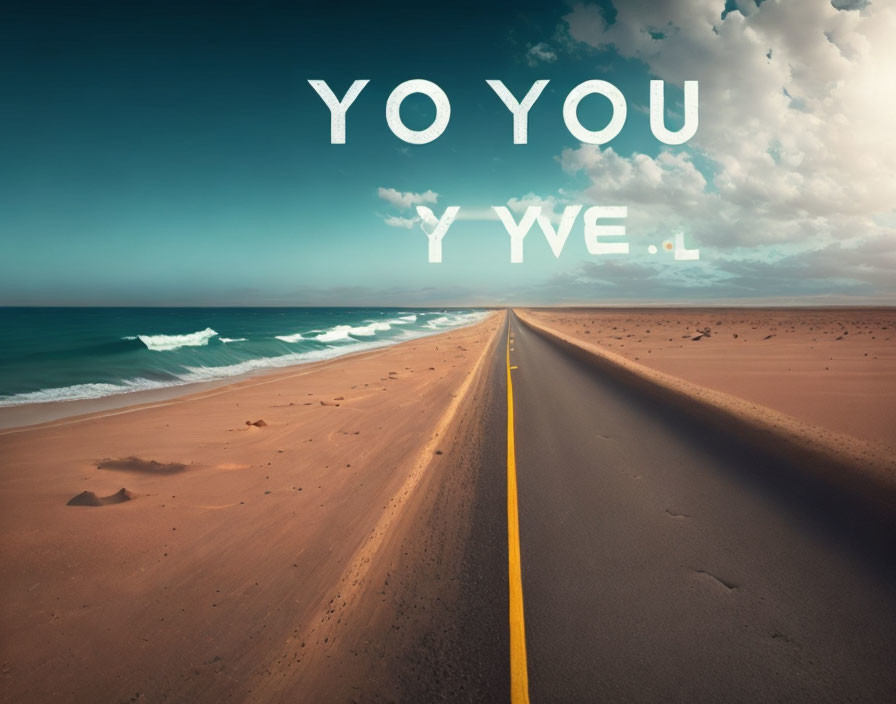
(173, 153)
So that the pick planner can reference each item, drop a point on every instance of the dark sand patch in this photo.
(135, 464)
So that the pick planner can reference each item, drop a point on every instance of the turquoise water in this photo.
(53, 354)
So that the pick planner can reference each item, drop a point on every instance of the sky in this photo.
(173, 153)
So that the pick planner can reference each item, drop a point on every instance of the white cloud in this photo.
(551, 206)
(540, 53)
(396, 221)
(405, 200)
(795, 120)
(670, 178)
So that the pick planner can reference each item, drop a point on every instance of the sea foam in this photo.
(79, 392)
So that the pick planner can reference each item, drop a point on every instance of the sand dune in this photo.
(834, 368)
(88, 498)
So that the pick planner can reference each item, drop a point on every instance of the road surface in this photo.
(662, 563)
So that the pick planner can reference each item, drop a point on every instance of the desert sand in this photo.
(833, 368)
(205, 548)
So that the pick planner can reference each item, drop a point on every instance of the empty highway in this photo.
(658, 562)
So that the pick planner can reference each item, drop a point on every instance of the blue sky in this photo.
(174, 154)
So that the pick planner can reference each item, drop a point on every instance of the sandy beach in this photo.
(247, 511)
(834, 368)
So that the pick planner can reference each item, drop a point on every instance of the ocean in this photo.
(56, 354)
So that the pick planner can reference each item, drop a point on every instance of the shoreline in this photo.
(41, 414)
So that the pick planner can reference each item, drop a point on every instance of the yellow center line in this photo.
(519, 673)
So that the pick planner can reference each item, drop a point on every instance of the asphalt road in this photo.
(663, 563)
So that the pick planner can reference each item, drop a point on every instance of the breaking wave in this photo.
(291, 338)
(451, 320)
(335, 334)
(165, 343)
